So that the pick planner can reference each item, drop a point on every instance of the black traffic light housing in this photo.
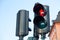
(39, 20)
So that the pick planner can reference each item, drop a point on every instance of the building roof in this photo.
(58, 18)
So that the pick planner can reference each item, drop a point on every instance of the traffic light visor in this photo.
(37, 7)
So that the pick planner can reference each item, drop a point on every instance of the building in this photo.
(55, 29)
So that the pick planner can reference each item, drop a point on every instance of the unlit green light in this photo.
(42, 25)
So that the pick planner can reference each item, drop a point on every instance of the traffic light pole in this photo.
(43, 36)
(43, 39)
(21, 38)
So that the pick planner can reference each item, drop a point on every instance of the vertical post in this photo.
(43, 36)
(20, 37)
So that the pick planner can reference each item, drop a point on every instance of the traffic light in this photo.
(41, 18)
(22, 23)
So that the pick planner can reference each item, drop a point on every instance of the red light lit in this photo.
(41, 12)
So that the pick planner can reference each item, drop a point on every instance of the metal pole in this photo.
(43, 39)
(21, 38)
(43, 36)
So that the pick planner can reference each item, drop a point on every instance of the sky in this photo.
(9, 9)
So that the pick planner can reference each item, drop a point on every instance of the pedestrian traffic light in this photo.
(39, 19)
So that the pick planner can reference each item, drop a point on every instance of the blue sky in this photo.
(9, 9)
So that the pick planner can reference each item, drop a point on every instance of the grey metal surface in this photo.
(22, 23)
(32, 38)
(43, 36)
(21, 38)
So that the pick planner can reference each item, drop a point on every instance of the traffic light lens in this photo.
(38, 19)
(42, 25)
(40, 22)
(41, 12)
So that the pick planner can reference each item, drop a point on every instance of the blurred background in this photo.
(9, 9)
